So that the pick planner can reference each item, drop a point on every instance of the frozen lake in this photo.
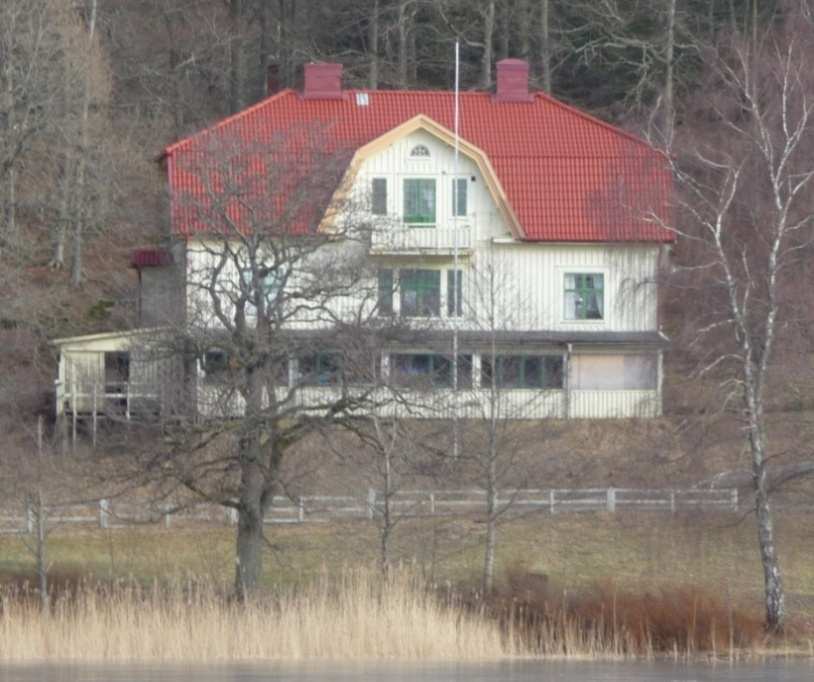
(524, 671)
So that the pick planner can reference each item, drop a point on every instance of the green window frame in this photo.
(584, 296)
(523, 371)
(420, 293)
(420, 202)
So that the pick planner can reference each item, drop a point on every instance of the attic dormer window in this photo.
(420, 151)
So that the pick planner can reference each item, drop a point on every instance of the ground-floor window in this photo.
(633, 371)
(522, 371)
(428, 370)
(320, 369)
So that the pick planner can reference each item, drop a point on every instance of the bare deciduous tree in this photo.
(745, 178)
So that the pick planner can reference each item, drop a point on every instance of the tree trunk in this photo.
(545, 44)
(373, 46)
(505, 30)
(488, 37)
(76, 267)
(250, 538)
(772, 578)
(403, 47)
(669, 86)
(236, 71)
(491, 535)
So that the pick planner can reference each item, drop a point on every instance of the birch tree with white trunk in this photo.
(745, 176)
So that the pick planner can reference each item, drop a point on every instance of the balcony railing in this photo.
(424, 239)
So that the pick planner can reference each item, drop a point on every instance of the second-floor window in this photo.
(419, 201)
(460, 187)
(379, 196)
(584, 296)
(420, 293)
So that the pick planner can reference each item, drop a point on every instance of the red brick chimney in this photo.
(323, 81)
(513, 81)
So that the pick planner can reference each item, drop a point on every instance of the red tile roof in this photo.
(567, 175)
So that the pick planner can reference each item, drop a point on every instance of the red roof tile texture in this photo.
(568, 176)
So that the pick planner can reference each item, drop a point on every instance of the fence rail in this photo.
(370, 505)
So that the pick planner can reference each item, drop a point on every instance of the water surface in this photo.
(525, 671)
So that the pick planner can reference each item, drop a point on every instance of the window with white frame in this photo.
(460, 188)
(378, 202)
(584, 296)
(420, 151)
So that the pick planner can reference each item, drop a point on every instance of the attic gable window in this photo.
(420, 151)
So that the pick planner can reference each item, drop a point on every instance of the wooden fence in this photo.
(412, 503)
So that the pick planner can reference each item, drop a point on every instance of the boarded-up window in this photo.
(614, 372)
(379, 199)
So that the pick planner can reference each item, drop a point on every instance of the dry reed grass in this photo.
(683, 622)
(355, 617)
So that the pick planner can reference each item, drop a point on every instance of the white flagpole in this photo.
(455, 302)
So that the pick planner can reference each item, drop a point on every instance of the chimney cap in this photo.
(513, 81)
(323, 81)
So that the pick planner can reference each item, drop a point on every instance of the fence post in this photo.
(673, 501)
(432, 503)
(371, 503)
(301, 510)
(231, 516)
(104, 511)
(29, 517)
(611, 500)
(95, 408)
(127, 400)
(167, 516)
(734, 499)
(551, 501)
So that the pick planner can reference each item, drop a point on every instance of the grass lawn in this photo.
(716, 553)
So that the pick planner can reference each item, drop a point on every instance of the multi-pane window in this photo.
(584, 296)
(420, 293)
(419, 201)
(460, 188)
(320, 369)
(385, 297)
(425, 370)
(522, 371)
(454, 293)
(379, 196)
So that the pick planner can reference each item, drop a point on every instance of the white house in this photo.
(559, 209)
